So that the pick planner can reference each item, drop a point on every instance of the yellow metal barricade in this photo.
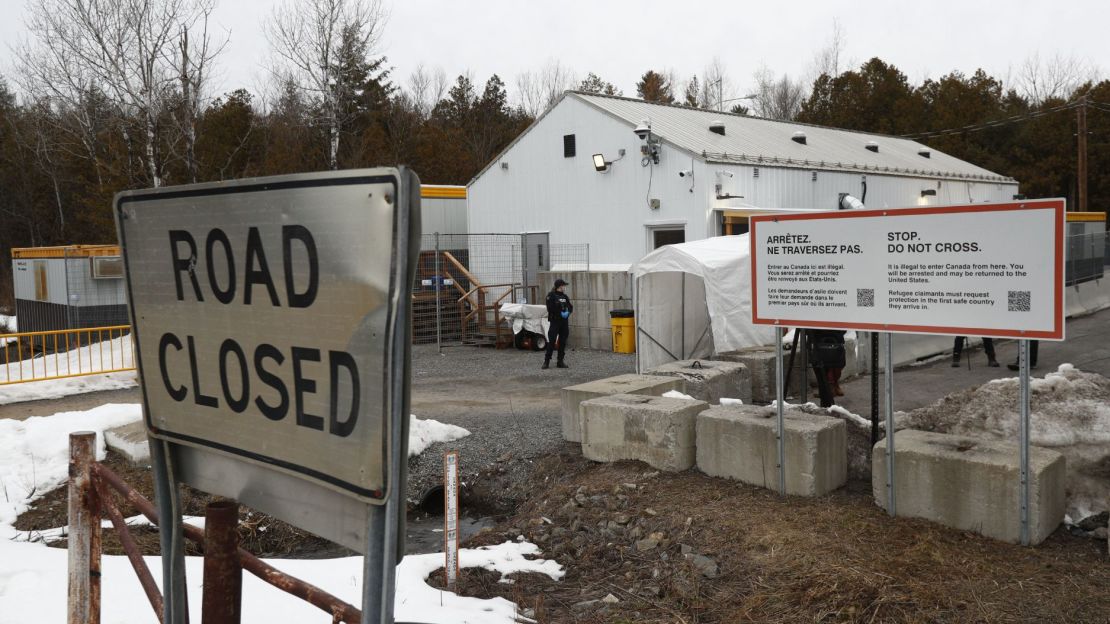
(65, 353)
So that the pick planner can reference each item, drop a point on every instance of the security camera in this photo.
(643, 130)
(685, 172)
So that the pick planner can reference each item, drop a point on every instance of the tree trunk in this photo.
(151, 153)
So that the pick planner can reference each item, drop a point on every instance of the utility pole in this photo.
(1081, 169)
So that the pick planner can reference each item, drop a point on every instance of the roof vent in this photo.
(873, 146)
(924, 152)
(799, 137)
(717, 127)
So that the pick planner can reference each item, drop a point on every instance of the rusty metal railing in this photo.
(92, 487)
(64, 353)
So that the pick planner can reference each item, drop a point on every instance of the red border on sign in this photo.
(1057, 332)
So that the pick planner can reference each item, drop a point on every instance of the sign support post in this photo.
(780, 433)
(889, 378)
(1023, 364)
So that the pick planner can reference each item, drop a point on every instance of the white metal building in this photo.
(732, 166)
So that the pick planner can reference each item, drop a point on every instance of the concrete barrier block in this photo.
(130, 441)
(655, 430)
(573, 396)
(760, 362)
(971, 484)
(709, 380)
(740, 442)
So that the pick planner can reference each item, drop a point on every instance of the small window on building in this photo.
(42, 291)
(667, 237)
(107, 267)
(568, 146)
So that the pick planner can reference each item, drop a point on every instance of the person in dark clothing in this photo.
(559, 309)
(1033, 348)
(988, 346)
(828, 358)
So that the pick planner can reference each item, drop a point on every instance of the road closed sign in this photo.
(266, 316)
(977, 270)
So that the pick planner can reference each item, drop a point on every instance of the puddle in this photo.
(424, 532)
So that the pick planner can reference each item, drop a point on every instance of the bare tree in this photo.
(717, 88)
(308, 38)
(426, 88)
(193, 65)
(777, 98)
(540, 90)
(1055, 77)
(124, 48)
(829, 59)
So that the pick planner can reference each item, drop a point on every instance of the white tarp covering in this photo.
(526, 316)
(694, 299)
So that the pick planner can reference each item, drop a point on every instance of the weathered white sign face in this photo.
(262, 310)
(979, 270)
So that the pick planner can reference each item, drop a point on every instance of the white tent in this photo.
(693, 300)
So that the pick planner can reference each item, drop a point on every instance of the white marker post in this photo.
(451, 518)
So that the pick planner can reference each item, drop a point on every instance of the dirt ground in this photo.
(691, 548)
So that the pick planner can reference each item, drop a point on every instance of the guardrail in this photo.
(92, 489)
(64, 353)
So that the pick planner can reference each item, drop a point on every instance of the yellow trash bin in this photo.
(623, 324)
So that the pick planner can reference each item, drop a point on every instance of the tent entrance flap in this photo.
(672, 319)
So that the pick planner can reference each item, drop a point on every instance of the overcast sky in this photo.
(619, 40)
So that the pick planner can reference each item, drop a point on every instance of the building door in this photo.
(535, 257)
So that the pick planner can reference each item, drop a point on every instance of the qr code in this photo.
(1018, 300)
(865, 297)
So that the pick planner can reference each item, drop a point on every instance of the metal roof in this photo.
(758, 141)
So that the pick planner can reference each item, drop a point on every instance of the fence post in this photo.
(589, 302)
(83, 605)
(221, 602)
(438, 280)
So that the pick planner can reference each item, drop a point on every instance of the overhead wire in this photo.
(995, 123)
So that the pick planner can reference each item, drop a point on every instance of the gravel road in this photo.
(509, 405)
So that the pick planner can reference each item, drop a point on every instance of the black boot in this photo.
(561, 364)
(955, 360)
(546, 364)
(993, 363)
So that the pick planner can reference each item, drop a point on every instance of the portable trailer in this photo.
(68, 287)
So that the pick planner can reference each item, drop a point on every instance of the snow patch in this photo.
(34, 459)
(34, 453)
(424, 433)
(675, 394)
(727, 401)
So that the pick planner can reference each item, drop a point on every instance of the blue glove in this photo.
(565, 314)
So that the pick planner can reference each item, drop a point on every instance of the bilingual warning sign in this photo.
(978, 270)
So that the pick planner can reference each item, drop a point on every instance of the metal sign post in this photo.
(780, 432)
(272, 333)
(1023, 399)
(889, 375)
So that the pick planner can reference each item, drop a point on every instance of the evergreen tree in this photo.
(654, 87)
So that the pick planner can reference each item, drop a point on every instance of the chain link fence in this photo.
(462, 280)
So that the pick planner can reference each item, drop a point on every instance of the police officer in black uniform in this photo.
(559, 309)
